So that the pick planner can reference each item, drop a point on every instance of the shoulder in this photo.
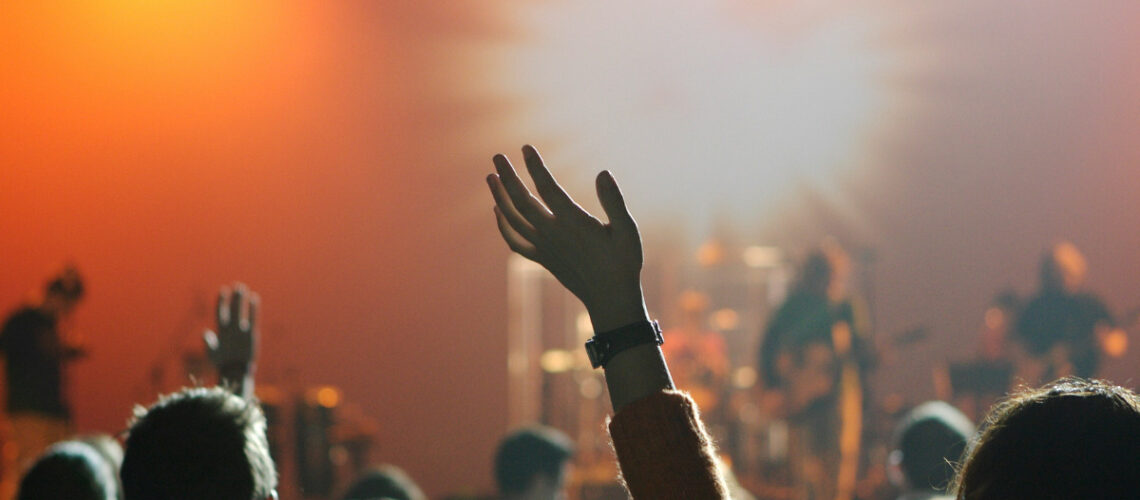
(25, 317)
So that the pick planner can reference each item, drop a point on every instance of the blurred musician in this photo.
(1063, 329)
(36, 355)
(810, 361)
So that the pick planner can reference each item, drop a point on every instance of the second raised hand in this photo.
(598, 262)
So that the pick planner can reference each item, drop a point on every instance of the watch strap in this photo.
(604, 346)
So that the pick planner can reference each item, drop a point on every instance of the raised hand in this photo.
(233, 348)
(598, 262)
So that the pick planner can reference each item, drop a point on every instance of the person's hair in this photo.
(111, 451)
(930, 439)
(528, 452)
(198, 443)
(1071, 439)
(384, 481)
(72, 470)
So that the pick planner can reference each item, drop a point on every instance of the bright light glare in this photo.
(699, 106)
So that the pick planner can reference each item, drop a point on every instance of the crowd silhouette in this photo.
(1071, 438)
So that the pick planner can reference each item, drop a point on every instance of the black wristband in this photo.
(604, 346)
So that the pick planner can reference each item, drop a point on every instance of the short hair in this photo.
(69, 469)
(1074, 438)
(198, 443)
(528, 452)
(930, 439)
(384, 481)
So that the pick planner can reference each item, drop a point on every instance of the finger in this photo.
(529, 206)
(504, 204)
(548, 188)
(211, 340)
(515, 242)
(251, 313)
(609, 194)
(221, 312)
(237, 302)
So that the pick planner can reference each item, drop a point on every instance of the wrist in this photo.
(234, 370)
(610, 315)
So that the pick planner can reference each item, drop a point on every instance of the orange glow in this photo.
(1115, 343)
(328, 397)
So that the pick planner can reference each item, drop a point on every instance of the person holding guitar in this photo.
(811, 368)
(1063, 329)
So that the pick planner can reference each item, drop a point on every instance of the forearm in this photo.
(238, 378)
(636, 372)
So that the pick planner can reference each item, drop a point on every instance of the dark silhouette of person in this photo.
(1062, 326)
(207, 442)
(1074, 438)
(36, 356)
(927, 442)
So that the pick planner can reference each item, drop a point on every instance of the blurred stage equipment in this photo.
(313, 424)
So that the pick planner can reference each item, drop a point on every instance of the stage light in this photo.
(994, 318)
(762, 257)
(725, 319)
(707, 105)
(557, 361)
(744, 377)
(328, 397)
(710, 254)
(1115, 343)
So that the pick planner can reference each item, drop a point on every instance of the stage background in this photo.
(331, 155)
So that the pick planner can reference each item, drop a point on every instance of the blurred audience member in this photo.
(111, 451)
(927, 443)
(206, 442)
(533, 464)
(70, 470)
(384, 482)
(1071, 439)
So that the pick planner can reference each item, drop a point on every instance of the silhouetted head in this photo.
(199, 443)
(63, 292)
(384, 481)
(72, 470)
(1071, 439)
(1063, 268)
(815, 274)
(826, 271)
(927, 442)
(531, 463)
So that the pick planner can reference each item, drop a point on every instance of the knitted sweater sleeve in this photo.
(663, 450)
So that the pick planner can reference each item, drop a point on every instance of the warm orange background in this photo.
(330, 155)
(308, 150)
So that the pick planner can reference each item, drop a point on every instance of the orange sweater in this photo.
(663, 450)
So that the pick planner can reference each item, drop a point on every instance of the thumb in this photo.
(211, 340)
